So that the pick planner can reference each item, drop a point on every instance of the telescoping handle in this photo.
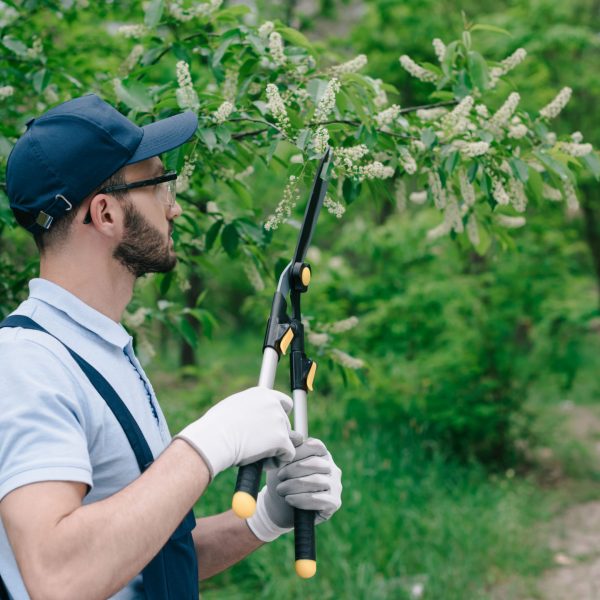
(249, 476)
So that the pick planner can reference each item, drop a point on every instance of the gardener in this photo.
(95, 496)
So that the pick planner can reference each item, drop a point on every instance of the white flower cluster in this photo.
(400, 195)
(7, 15)
(320, 140)
(452, 216)
(504, 113)
(381, 98)
(136, 319)
(179, 13)
(132, 59)
(327, 102)
(416, 71)
(456, 120)
(553, 109)
(222, 113)
(346, 157)
(230, 84)
(351, 66)
(343, 325)
(467, 189)
(6, 91)
(132, 31)
(570, 196)
(317, 339)
(438, 193)
(266, 29)
(577, 137)
(518, 198)
(418, 197)
(276, 48)
(36, 50)
(182, 183)
(473, 230)
(439, 48)
(508, 64)
(471, 149)
(498, 191)
(186, 94)
(346, 360)
(286, 204)
(50, 94)
(574, 149)
(387, 116)
(482, 110)
(551, 193)
(517, 129)
(407, 162)
(431, 114)
(335, 208)
(277, 107)
(375, 170)
(253, 276)
(510, 222)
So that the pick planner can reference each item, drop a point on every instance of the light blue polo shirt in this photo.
(54, 426)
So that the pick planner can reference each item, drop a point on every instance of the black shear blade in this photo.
(313, 208)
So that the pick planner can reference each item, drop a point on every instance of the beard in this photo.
(143, 248)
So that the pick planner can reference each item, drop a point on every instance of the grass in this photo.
(411, 519)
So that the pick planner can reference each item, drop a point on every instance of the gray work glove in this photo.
(311, 481)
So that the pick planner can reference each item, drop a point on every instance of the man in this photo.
(95, 496)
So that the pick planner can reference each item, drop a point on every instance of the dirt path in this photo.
(575, 541)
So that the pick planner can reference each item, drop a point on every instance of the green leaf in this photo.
(232, 12)
(478, 70)
(553, 165)
(520, 169)
(593, 163)
(449, 55)
(484, 240)
(316, 88)
(5, 146)
(230, 239)
(472, 171)
(451, 162)
(209, 137)
(187, 331)
(350, 190)
(212, 233)
(535, 184)
(302, 139)
(153, 13)
(165, 282)
(14, 45)
(135, 95)
(429, 138)
(41, 79)
(293, 36)
(492, 28)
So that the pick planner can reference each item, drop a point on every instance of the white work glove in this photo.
(242, 429)
(311, 481)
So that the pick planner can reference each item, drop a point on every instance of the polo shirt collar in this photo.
(79, 312)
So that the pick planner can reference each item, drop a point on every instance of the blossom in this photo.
(553, 109)
(577, 137)
(380, 99)
(183, 179)
(482, 110)
(375, 170)
(574, 149)
(466, 188)
(505, 112)
(437, 191)
(400, 195)
(516, 191)
(456, 120)
(136, 319)
(387, 116)
(570, 196)
(335, 208)
(431, 114)
(327, 102)
(266, 29)
(36, 50)
(517, 131)
(344, 325)
(317, 339)
(6, 91)
(498, 192)
(471, 149)
(230, 84)
(222, 113)
(186, 94)
(320, 140)
(253, 276)
(346, 360)
(276, 48)
(418, 197)
(277, 107)
(198, 10)
(287, 203)
(132, 59)
(473, 230)
(508, 64)
(551, 193)
(510, 222)
(439, 48)
(417, 71)
(452, 216)
(132, 31)
(351, 66)
(407, 162)
(439, 231)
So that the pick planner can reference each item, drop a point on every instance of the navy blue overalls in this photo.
(173, 573)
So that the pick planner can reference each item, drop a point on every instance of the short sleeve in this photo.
(42, 423)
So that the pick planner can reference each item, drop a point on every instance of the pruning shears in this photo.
(282, 331)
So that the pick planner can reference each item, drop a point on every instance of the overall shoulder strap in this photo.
(136, 439)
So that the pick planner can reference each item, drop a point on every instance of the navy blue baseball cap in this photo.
(66, 153)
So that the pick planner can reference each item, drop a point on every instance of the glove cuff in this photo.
(261, 525)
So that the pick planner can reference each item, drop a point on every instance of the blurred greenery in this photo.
(467, 353)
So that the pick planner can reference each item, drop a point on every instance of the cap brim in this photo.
(165, 135)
